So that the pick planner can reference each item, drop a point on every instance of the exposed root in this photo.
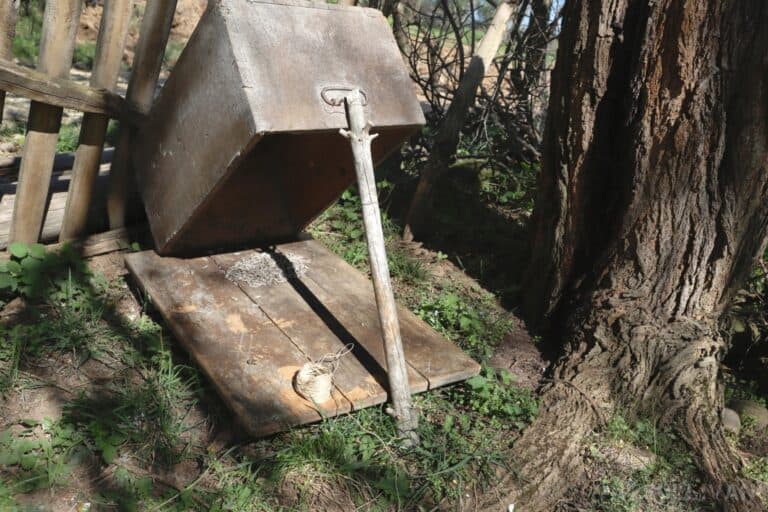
(622, 360)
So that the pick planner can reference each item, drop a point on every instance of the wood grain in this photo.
(8, 14)
(360, 138)
(251, 341)
(155, 30)
(60, 22)
(247, 357)
(59, 92)
(109, 53)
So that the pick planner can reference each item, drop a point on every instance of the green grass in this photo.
(28, 32)
(84, 55)
(670, 481)
(140, 424)
(172, 53)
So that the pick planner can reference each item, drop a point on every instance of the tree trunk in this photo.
(447, 137)
(652, 207)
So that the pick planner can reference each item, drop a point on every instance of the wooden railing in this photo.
(51, 91)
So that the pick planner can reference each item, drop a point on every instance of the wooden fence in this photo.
(50, 91)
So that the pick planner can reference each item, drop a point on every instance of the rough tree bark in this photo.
(652, 207)
(447, 137)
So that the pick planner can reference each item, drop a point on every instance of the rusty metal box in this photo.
(242, 145)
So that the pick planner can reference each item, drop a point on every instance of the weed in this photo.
(41, 453)
(84, 55)
(69, 137)
(471, 325)
(757, 469)
(29, 29)
(493, 394)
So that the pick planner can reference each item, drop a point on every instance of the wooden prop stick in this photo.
(360, 139)
(8, 10)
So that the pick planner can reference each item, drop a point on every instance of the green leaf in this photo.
(6, 281)
(14, 267)
(108, 453)
(448, 424)
(37, 251)
(18, 249)
(477, 382)
(28, 461)
(31, 264)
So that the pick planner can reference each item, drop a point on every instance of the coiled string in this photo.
(314, 381)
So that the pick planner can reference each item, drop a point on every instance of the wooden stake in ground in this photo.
(360, 139)
(447, 137)
(153, 38)
(57, 44)
(7, 30)
(109, 54)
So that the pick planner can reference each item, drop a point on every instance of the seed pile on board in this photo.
(267, 269)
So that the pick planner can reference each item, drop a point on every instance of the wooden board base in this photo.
(252, 341)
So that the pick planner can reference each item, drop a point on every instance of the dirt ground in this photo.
(188, 13)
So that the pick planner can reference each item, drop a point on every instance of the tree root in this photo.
(622, 361)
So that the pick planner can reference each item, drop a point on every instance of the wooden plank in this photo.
(102, 243)
(54, 211)
(8, 11)
(360, 376)
(109, 55)
(437, 359)
(155, 30)
(56, 49)
(246, 356)
(359, 322)
(64, 161)
(59, 92)
(223, 325)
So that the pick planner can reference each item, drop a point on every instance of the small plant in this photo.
(757, 469)
(494, 395)
(31, 270)
(469, 324)
(69, 137)
(28, 32)
(84, 55)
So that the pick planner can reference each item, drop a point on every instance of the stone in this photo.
(731, 421)
(751, 409)
(628, 457)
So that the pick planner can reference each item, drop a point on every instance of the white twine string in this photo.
(314, 381)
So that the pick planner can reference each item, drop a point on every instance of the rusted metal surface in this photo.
(242, 144)
(251, 341)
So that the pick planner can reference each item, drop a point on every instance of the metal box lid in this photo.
(241, 145)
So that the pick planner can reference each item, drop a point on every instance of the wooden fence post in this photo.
(155, 29)
(8, 9)
(60, 23)
(115, 21)
(447, 137)
(360, 140)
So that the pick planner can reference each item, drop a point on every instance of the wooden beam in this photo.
(109, 55)
(8, 10)
(9, 166)
(57, 45)
(155, 29)
(102, 243)
(59, 92)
